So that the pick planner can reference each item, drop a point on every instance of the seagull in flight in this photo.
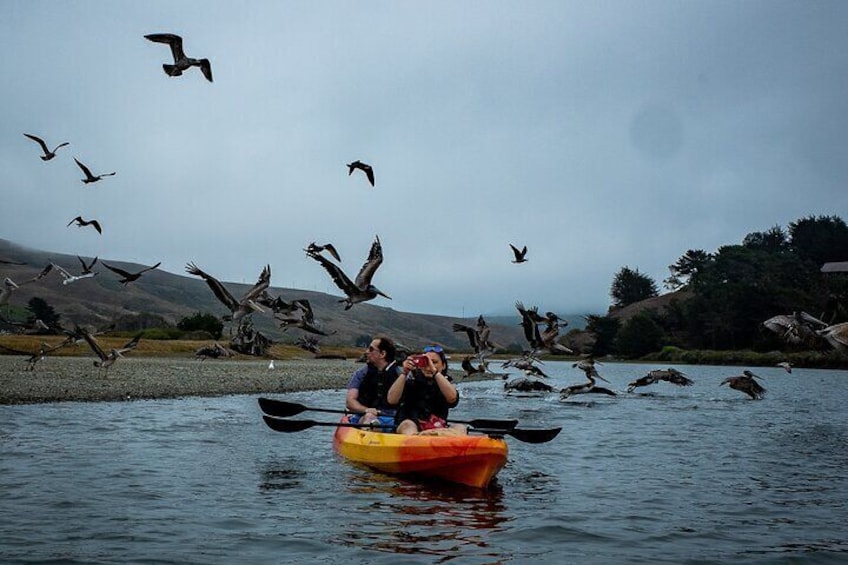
(248, 302)
(520, 255)
(128, 277)
(365, 168)
(47, 153)
(181, 62)
(82, 223)
(89, 178)
(68, 278)
(360, 290)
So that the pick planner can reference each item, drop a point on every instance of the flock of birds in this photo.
(540, 331)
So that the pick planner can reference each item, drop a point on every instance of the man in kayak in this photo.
(424, 393)
(369, 386)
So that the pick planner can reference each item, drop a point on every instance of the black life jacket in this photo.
(421, 398)
(375, 385)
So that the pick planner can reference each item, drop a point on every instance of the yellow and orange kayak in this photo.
(471, 460)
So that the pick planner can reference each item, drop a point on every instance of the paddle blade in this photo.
(287, 426)
(279, 408)
(527, 435)
(489, 423)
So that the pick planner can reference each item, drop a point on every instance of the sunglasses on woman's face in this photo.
(433, 348)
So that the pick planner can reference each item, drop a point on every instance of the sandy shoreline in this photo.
(61, 379)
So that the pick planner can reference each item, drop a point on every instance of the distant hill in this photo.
(102, 300)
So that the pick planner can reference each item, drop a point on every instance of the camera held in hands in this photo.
(421, 361)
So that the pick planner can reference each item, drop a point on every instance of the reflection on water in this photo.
(411, 517)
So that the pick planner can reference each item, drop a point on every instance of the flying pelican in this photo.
(86, 267)
(82, 223)
(478, 337)
(786, 365)
(524, 384)
(746, 383)
(314, 248)
(248, 302)
(280, 306)
(360, 290)
(795, 328)
(47, 153)
(837, 336)
(88, 176)
(181, 62)
(308, 343)
(670, 375)
(527, 364)
(106, 359)
(365, 168)
(588, 367)
(128, 277)
(520, 256)
(215, 351)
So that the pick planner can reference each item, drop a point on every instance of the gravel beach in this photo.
(58, 379)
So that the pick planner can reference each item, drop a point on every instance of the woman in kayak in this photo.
(424, 393)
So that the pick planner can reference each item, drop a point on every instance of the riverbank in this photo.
(61, 379)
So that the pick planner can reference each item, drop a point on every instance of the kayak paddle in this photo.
(282, 409)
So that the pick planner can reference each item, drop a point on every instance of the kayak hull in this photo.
(472, 460)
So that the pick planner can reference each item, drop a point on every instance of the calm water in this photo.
(698, 474)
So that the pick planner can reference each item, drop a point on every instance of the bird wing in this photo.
(175, 42)
(149, 268)
(65, 274)
(375, 259)
(206, 69)
(369, 172)
(85, 170)
(261, 284)
(40, 142)
(472, 335)
(78, 220)
(116, 270)
(329, 247)
(217, 288)
(339, 277)
(86, 268)
(130, 345)
(40, 275)
(92, 343)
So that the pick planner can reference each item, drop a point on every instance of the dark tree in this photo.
(686, 268)
(604, 329)
(639, 336)
(629, 286)
(202, 322)
(820, 239)
(41, 310)
(773, 241)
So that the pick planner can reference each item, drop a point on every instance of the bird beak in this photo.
(383, 294)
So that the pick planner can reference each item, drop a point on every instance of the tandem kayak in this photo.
(471, 460)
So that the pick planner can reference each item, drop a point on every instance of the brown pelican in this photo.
(669, 375)
(746, 383)
(795, 328)
(248, 302)
(280, 306)
(314, 248)
(588, 367)
(541, 340)
(367, 169)
(786, 365)
(47, 153)
(470, 369)
(215, 351)
(181, 62)
(520, 255)
(837, 336)
(360, 290)
(88, 176)
(106, 359)
(305, 323)
(524, 384)
(127, 277)
(478, 337)
(82, 223)
(308, 343)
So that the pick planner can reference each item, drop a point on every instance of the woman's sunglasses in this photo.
(434, 348)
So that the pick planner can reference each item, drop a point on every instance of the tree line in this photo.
(719, 300)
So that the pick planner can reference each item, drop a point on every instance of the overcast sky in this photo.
(599, 134)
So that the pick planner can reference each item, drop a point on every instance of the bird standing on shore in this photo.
(47, 153)
(181, 62)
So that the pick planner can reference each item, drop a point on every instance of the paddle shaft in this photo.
(282, 409)
(525, 435)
